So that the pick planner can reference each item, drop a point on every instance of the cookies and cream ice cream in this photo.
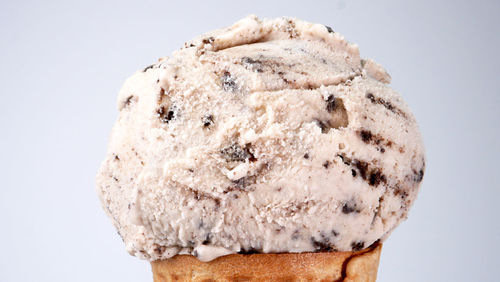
(268, 136)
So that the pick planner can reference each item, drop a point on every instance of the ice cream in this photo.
(270, 136)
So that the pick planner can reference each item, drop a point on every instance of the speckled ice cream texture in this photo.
(268, 136)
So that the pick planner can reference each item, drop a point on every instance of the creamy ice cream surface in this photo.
(267, 136)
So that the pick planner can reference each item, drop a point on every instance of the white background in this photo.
(62, 64)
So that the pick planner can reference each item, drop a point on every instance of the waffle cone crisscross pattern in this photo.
(322, 266)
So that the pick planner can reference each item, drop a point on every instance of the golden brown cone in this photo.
(323, 266)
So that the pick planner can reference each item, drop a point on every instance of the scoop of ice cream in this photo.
(267, 136)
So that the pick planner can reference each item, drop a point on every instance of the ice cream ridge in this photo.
(269, 136)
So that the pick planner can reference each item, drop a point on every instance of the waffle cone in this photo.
(321, 266)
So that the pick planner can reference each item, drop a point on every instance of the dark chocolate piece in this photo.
(323, 244)
(249, 251)
(350, 207)
(255, 65)
(366, 135)
(159, 250)
(208, 239)
(357, 246)
(148, 67)
(418, 176)
(244, 182)
(166, 115)
(369, 173)
(324, 126)
(200, 196)
(128, 101)
(207, 120)
(362, 167)
(330, 103)
(228, 82)
(376, 177)
(208, 40)
(388, 105)
(235, 152)
(326, 164)
(370, 97)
